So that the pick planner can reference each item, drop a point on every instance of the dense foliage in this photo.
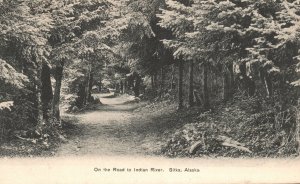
(214, 49)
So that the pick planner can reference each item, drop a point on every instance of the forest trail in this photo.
(113, 129)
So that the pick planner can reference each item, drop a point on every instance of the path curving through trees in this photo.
(113, 129)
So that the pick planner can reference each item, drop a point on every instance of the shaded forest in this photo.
(230, 68)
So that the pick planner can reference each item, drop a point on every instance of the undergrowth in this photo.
(24, 143)
(251, 123)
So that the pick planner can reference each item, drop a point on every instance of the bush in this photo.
(20, 116)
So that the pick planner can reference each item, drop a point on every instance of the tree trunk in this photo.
(232, 85)
(226, 85)
(121, 86)
(162, 82)
(180, 85)
(34, 97)
(100, 84)
(206, 104)
(90, 87)
(152, 82)
(117, 87)
(137, 86)
(87, 86)
(39, 105)
(197, 97)
(228, 82)
(173, 78)
(210, 85)
(37, 114)
(46, 94)
(251, 86)
(81, 95)
(40, 120)
(247, 83)
(191, 85)
(269, 85)
(125, 86)
(56, 98)
(297, 133)
(155, 82)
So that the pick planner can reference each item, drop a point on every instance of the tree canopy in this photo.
(213, 48)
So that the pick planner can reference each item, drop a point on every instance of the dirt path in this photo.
(113, 129)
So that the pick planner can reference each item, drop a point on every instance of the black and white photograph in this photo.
(149, 91)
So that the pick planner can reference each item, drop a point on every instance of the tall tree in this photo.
(24, 34)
